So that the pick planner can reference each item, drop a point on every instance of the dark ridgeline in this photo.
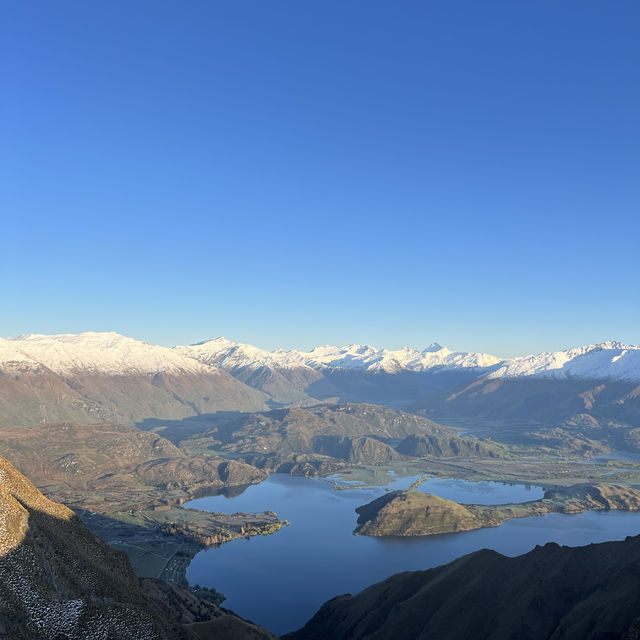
(552, 592)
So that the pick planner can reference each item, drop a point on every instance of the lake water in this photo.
(280, 581)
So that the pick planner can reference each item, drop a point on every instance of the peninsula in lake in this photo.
(413, 513)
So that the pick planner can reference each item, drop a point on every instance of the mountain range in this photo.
(108, 377)
(611, 359)
(113, 354)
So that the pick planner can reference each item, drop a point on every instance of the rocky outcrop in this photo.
(450, 446)
(413, 513)
(355, 450)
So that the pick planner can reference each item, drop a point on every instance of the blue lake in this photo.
(280, 581)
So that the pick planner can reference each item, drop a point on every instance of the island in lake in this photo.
(414, 513)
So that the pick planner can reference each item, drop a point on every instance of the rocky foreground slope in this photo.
(58, 581)
(550, 593)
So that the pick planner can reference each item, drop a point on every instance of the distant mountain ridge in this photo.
(112, 353)
(93, 377)
(90, 352)
(229, 355)
(611, 359)
(602, 380)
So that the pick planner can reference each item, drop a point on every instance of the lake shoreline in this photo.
(262, 579)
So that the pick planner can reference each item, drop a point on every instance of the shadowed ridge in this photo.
(550, 593)
(58, 581)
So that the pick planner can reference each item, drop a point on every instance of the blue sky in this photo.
(291, 173)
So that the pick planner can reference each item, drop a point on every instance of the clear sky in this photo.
(298, 172)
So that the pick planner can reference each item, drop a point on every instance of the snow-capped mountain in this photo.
(371, 359)
(600, 378)
(90, 352)
(554, 389)
(283, 375)
(114, 354)
(231, 355)
(11, 356)
(106, 376)
(610, 360)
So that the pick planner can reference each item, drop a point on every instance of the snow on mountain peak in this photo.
(608, 359)
(112, 354)
(14, 357)
(611, 359)
(226, 354)
(614, 344)
(232, 355)
(220, 341)
(101, 353)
